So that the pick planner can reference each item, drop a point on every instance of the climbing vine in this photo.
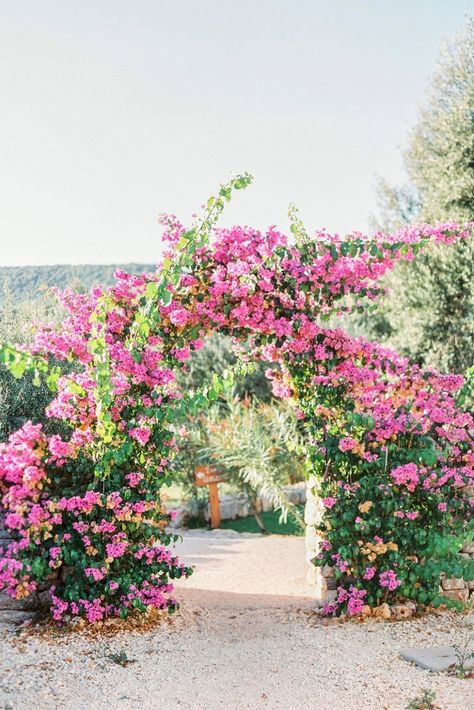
(85, 503)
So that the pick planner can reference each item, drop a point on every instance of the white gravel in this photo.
(239, 641)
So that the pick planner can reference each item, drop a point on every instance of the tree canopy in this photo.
(428, 312)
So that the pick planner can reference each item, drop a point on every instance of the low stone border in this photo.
(237, 506)
(218, 532)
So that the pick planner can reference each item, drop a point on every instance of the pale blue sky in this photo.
(116, 110)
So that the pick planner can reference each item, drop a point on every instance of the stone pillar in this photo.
(313, 515)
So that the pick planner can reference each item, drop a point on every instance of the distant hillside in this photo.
(25, 282)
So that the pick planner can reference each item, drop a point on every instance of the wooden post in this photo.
(206, 476)
(214, 504)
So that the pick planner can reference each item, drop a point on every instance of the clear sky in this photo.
(114, 111)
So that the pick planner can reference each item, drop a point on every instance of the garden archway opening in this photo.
(389, 450)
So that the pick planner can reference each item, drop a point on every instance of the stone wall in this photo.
(237, 506)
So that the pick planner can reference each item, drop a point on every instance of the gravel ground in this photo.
(238, 642)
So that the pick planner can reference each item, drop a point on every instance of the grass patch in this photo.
(271, 522)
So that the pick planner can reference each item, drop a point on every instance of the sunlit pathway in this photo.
(269, 566)
(247, 637)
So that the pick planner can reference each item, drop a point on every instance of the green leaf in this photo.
(166, 297)
(151, 289)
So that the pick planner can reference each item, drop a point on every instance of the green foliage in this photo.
(465, 655)
(22, 394)
(465, 398)
(214, 358)
(272, 522)
(257, 447)
(375, 525)
(429, 311)
(424, 701)
(120, 658)
(374, 505)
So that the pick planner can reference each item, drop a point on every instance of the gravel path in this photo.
(239, 641)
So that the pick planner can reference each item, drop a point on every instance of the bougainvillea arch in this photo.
(389, 450)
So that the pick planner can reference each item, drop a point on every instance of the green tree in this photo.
(215, 357)
(429, 310)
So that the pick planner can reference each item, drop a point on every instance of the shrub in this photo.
(394, 456)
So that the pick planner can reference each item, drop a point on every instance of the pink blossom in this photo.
(141, 434)
(133, 479)
(356, 600)
(95, 573)
(406, 475)
(117, 549)
(347, 443)
(389, 579)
